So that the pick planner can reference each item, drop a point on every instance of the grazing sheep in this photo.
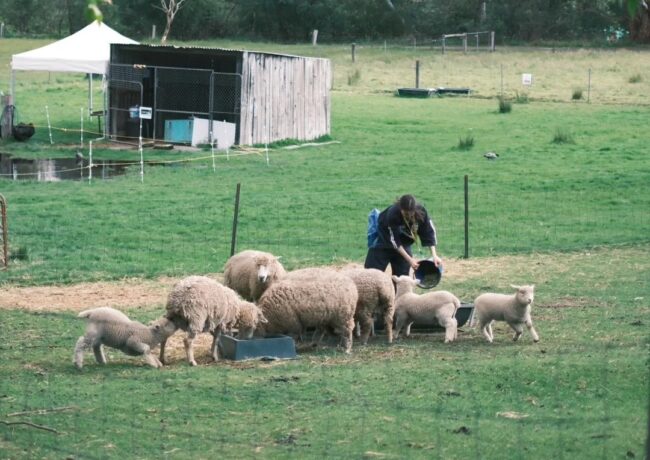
(110, 327)
(514, 309)
(200, 304)
(376, 296)
(318, 298)
(250, 273)
(424, 308)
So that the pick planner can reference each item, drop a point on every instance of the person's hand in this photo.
(437, 260)
(414, 264)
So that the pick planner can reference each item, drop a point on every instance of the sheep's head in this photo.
(250, 317)
(404, 284)
(164, 327)
(524, 294)
(263, 268)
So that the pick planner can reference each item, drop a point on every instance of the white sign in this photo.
(145, 113)
(526, 79)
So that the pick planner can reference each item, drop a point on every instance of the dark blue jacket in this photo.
(393, 231)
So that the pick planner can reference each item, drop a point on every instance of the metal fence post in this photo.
(466, 216)
(5, 232)
(233, 241)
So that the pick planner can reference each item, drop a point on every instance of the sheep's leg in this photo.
(151, 360)
(188, 342)
(408, 329)
(162, 351)
(486, 329)
(489, 329)
(214, 349)
(533, 332)
(357, 329)
(82, 344)
(366, 329)
(519, 329)
(100, 357)
(346, 337)
(451, 328)
(317, 337)
(388, 324)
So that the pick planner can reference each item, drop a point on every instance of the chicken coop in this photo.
(192, 95)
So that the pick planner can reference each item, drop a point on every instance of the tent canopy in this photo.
(87, 51)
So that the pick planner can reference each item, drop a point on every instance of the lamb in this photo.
(318, 298)
(376, 296)
(250, 273)
(514, 309)
(200, 304)
(424, 308)
(110, 327)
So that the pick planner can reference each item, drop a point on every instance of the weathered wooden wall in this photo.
(284, 97)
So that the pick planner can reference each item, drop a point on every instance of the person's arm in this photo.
(412, 262)
(428, 237)
(434, 256)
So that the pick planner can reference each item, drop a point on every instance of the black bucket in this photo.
(22, 131)
(428, 274)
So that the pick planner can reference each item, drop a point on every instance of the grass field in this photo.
(571, 217)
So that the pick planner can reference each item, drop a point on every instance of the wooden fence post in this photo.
(5, 232)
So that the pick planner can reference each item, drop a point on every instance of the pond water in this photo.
(52, 170)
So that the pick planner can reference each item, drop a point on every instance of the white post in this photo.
(214, 166)
(81, 131)
(314, 37)
(589, 88)
(90, 161)
(141, 152)
(49, 126)
(153, 31)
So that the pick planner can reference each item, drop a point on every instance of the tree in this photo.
(170, 8)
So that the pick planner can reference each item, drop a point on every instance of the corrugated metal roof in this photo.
(207, 48)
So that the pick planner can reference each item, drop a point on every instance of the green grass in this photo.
(582, 390)
(570, 217)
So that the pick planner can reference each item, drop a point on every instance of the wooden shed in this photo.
(200, 95)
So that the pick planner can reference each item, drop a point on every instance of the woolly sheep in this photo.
(110, 327)
(250, 273)
(514, 309)
(200, 304)
(318, 298)
(424, 308)
(376, 296)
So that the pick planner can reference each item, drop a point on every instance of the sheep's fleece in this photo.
(110, 327)
(318, 298)
(251, 272)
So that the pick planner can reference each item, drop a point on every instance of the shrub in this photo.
(563, 137)
(521, 98)
(466, 143)
(636, 78)
(505, 106)
(19, 254)
(577, 94)
(354, 77)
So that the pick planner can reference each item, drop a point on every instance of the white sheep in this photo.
(376, 296)
(110, 327)
(250, 272)
(199, 304)
(317, 298)
(424, 308)
(514, 309)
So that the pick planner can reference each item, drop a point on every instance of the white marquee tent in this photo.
(87, 51)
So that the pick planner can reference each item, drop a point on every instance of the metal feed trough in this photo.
(271, 347)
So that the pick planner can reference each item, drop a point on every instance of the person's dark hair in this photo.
(409, 204)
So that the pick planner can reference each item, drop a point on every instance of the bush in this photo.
(467, 143)
(20, 253)
(563, 137)
(354, 77)
(521, 98)
(636, 78)
(505, 106)
(577, 94)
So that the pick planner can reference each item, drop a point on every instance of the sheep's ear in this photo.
(532, 286)
(395, 278)
(263, 319)
(513, 286)
(278, 257)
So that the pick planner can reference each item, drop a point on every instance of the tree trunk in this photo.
(640, 27)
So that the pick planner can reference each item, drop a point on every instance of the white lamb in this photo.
(199, 304)
(110, 327)
(376, 296)
(514, 309)
(250, 273)
(424, 308)
(317, 298)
